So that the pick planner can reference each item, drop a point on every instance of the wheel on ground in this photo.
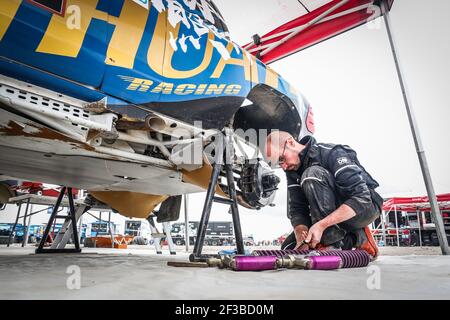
(139, 241)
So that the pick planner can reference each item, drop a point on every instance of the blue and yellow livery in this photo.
(158, 55)
(90, 85)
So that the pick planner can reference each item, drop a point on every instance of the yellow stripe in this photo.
(155, 58)
(7, 13)
(254, 68)
(239, 62)
(293, 90)
(162, 64)
(127, 35)
(271, 78)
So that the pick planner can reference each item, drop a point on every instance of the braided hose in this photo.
(350, 258)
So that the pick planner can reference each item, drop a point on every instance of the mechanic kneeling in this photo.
(331, 196)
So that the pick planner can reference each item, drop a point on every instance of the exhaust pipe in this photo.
(155, 123)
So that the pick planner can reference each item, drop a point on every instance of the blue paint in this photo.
(113, 8)
(48, 81)
(59, 73)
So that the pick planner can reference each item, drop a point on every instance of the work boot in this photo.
(370, 246)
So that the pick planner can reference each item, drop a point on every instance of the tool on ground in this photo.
(350, 258)
(255, 189)
(260, 263)
(183, 264)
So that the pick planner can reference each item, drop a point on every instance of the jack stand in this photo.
(228, 154)
(157, 236)
(71, 217)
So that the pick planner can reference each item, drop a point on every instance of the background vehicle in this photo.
(100, 228)
(218, 233)
(35, 233)
(414, 228)
(249, 241)
(428, 235)
(178, 233)
(5, 231)
(140, 230)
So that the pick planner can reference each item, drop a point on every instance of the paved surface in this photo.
(138, 273)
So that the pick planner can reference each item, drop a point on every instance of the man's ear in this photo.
(291, 142)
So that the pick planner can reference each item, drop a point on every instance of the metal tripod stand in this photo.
(224, 151)
(70, 219)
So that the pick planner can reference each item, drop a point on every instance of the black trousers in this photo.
(318, 186)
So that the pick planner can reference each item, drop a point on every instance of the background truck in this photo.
(35, 233)
(414, 228)
(428, 234)
(218, 233)
(140, 230)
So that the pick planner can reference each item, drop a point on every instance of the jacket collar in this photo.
(304, 155)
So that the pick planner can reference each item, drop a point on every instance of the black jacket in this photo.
(353, 184)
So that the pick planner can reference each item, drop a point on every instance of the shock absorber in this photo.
(313, 260)
(245, 263)
(350, 258)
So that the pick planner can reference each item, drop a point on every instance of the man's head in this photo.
(283, 149)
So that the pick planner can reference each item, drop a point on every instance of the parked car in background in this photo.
(6, 229)
(140, 230)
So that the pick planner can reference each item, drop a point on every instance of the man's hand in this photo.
(301, 232)
(341, 214)
(315, 234)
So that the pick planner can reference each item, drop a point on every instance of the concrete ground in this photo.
(139, 273)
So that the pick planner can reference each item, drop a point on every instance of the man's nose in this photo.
(283, 166)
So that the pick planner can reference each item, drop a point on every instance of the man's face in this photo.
(289, 159)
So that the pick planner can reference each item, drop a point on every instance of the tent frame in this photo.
(420, 206)
(435, 212)
(259, 49)
(295, 31)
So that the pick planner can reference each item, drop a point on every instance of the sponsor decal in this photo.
(343, 160)
(145, 85)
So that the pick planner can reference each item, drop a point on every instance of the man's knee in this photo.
(314, 175)
(318, 187)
